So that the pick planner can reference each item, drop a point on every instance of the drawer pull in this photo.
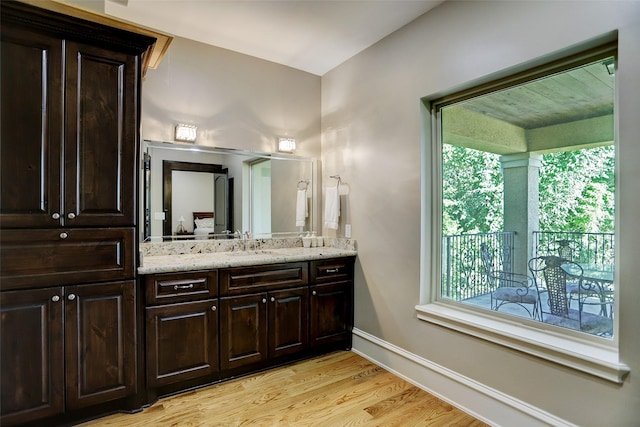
(63, 235)
(333, 270)
(178, 287)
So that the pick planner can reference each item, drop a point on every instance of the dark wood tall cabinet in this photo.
(70, 116)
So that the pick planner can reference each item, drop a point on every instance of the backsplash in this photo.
(227, 245)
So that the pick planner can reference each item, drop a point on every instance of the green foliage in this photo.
(576, 191)
(472, 191)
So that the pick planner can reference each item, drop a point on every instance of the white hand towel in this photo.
(301, 208)
(331, 208)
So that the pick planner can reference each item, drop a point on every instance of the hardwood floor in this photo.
(339, 389)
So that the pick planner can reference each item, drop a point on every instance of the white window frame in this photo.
(593, 355)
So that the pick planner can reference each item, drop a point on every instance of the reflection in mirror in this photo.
(214, 192)
(202, 188)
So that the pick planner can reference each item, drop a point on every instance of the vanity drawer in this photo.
(242, 280)
(332, 270)
(180, 287)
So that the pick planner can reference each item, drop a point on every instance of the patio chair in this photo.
(510, 288)
(571, 250)
(550, 274)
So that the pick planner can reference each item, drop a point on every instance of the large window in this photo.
(524, 173)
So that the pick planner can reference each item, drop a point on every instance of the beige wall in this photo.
(236, 101)
(371, 136)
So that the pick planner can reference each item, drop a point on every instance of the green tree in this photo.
(577, 190)
(472, 191)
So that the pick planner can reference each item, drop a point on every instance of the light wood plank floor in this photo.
(335, 390)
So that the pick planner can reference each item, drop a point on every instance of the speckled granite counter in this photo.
(169, 257)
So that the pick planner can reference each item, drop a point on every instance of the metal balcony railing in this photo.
(464, 274)
(596, 249)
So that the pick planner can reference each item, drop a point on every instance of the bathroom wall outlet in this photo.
(159, 216)
(347, 230)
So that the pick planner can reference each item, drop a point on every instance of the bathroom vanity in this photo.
(214, 316)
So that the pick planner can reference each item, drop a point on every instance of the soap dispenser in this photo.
(306, 240)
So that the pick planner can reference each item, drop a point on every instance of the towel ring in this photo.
(305, 183)
(338, 178)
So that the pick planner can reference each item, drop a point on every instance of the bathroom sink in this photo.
(248, 253)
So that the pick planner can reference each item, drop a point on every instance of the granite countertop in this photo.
(201, 261)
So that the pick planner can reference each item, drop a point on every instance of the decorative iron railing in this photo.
(596, 249)
(468, 258)
(464, 262)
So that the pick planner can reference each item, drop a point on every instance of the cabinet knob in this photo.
(63, 235)
(314, 293)
(71, 215)
(55, 215)
(264, 300)
(55, 298)
(273, 299)
(71, 297)
(214, 308)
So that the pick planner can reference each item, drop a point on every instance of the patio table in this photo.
(596, 279)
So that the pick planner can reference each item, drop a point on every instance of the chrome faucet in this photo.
(246, 237)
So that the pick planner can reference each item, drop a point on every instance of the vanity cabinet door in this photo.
(288, 321)
(243, 330)
(331, 312)
(182, 341)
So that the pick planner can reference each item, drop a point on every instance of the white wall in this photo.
(371, 136)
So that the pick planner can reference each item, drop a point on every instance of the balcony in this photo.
(465, 275)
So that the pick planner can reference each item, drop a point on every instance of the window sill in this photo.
(582, 355)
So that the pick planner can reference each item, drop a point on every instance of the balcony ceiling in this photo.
(544, 102)
(309, 35)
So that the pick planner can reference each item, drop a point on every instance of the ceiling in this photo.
(578, 94)
(310, 35)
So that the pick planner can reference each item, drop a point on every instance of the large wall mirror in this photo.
(191, 191)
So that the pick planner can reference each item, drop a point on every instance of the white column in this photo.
(521, 203)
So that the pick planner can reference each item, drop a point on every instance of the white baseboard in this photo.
(491, 406)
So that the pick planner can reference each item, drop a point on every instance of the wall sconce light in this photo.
(286, 145)
(186, 133)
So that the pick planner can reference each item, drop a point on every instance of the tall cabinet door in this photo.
(31, 350)
(100, 342)
(30, 129)
(100, 149)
